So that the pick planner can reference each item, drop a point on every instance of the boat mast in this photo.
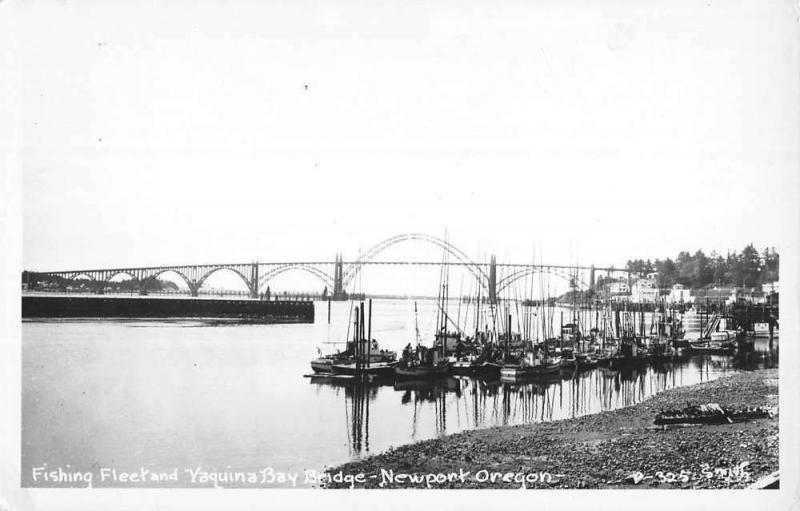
(416, 322)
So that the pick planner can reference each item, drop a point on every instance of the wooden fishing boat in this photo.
(462, 367)
(585, 361)
(474, 366)
(708, 347)
(429, 363)
(359, 348)
(489, 369)
(522, 371)
(371, 353)
(378, 369)
(568, 359)
(718, 343)
(421, 371)
(325, 364)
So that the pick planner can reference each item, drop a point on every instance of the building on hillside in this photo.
(617, 288)
(717, 295)
(643, 291)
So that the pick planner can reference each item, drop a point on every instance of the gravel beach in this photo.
(617, 449)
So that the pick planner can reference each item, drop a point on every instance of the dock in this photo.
(88, 306)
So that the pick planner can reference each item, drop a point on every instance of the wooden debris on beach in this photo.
(711, 413)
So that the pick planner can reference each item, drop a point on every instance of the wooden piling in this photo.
(369, 334)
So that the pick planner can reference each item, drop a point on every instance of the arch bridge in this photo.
(338, 275)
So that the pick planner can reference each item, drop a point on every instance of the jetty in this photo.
(134, 307)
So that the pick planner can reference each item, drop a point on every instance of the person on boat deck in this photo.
(423, 354)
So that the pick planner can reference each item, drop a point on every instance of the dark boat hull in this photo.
(712, 350)
(420, 372)
(520, 372)
(480, 368)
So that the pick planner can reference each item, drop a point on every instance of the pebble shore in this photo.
(616, 449)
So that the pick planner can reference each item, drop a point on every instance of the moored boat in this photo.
(378, 369)
(421, 371)
(586, 361)
(530, 367)
(719, 343)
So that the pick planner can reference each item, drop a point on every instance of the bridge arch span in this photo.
(509, 279)
(86, 274)
(147, 279)
(113, 274)
(353, 269)
(212, 271)
(274, 272)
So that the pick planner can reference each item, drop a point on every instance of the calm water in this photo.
(174, 397)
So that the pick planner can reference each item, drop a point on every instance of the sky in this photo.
(190, 133)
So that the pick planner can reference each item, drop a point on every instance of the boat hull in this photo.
(377, 369)
(512, 372)
(420, 372)
(475, 368)
(712, 350)
(322, 365)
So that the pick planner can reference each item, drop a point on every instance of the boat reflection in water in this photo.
(431, 408)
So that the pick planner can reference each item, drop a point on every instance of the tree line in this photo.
(748, 268)
(127, 285)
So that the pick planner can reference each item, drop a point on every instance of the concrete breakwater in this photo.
(261, 311)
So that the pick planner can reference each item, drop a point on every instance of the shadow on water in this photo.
(465, 402)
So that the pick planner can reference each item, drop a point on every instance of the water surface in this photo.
(175, 397)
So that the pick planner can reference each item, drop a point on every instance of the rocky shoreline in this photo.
(616, 449)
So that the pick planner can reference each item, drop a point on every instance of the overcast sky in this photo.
(294, 130)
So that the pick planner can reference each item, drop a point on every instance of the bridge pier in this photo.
(254, 280)
(338, 279)
(493, 280)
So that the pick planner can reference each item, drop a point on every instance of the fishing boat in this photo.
(719, 343)
(420, 371)
(363, 358)
(482, 361)
(325, 364)
(427, 363)
(378, 369)
(585, 361)
(523, 370)
(568, 359)
(369, 352)
(474, 367)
